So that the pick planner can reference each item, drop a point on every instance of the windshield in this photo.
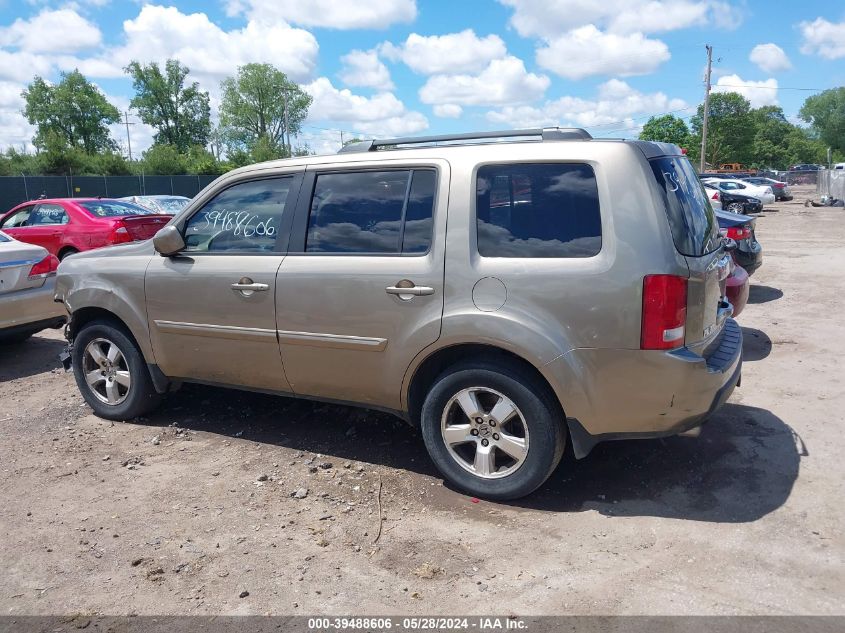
(170, 205)
(112, 208)
(694, 227)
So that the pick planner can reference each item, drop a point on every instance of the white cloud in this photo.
(448, 111)
(770, 58)
(365, 69)
(22, 66)
(159, 33)
(380, 115)
(759, 93)
(615, 108)
(503, 81)
(450, 53)
(333, 14)
(15, 131)
(588, 51)
(823, 38)
(542, 18)
(59, 31)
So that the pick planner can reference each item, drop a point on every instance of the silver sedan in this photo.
(27, 285)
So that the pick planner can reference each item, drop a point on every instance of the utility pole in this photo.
(287, 123)
(706, 105)
(341, 138)
(128, 140)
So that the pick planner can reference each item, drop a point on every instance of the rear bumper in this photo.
(32, 309)
(645, 394)
(749, 255)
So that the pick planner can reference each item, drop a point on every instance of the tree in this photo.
(826, 113)
(730, 129)
(163, 159)
(179, 112)
(72, 115)
(667, 128)
(252, 110)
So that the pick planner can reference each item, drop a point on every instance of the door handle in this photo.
(415, 291)
(246, 286)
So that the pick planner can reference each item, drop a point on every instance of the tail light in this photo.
(715, 196)
(119, 235)
(739, 232)
(44, 268)
(664, 311)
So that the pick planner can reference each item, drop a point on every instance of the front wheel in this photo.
(111, 373)
(492, 432)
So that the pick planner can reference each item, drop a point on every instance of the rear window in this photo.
(694, 227)
(537, 210)
(112, 208)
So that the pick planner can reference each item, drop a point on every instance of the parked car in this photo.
(27, 284)
(839, 166)
(739, 203)
(806, 167)
(749, 252)
(780, 189)
(563, 313)
(65, 226)
(166, 205)
(714, 196)
(732, 185)
(738, 288)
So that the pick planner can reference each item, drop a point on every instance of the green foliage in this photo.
(667, 128)
(72, 115)
(252, 110)
(730, 129)
(826, 113)
(180, 113)
(163, 159)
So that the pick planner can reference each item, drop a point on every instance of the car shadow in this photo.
(763, 294)
(756, 344)
(35, 355)
(741, 468)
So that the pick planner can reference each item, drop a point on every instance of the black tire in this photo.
(542, 416)
(141, 396)
(66, 252)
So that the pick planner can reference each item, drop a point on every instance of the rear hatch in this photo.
(143, 227)
(695, 233)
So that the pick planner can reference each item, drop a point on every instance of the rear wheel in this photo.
(65, 252)
(111, 373)
(736, 207)
(491, 431)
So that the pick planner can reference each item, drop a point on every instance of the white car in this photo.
(765, 194)
(713, 197)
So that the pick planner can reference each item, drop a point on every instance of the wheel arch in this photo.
(423, 375)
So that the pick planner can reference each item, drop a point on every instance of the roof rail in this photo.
(545, 134)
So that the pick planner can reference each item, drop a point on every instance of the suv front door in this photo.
(211, 307)
(361, 290)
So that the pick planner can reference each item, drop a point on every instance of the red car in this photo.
(737, 288)
(68, 225)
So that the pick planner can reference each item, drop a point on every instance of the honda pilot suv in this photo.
(505, 292)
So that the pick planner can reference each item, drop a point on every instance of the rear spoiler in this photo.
(656, 149)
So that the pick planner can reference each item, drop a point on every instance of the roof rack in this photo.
(545, 134)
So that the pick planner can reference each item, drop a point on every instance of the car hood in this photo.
(133, 248)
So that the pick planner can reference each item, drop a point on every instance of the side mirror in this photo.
(168, 241)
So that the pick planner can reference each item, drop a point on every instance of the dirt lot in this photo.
(184, 512)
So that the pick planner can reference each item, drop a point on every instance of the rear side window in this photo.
(694, 227)
(538, 210)
(372, 212)
(244, 217)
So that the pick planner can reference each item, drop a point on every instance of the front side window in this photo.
(538, 210)
(18, 219)
(244, 217)
(372, 212)
(48, 214)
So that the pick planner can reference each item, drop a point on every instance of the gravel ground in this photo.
(226, 502)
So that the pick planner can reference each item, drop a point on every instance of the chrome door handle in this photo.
(251, 286)
(416, 291)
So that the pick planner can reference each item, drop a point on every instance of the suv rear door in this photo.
(695, 232)
(361, 290)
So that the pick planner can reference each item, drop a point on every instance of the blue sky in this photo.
(396, 67)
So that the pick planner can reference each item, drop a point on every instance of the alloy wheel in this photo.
(485, 432)
(106, 371)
